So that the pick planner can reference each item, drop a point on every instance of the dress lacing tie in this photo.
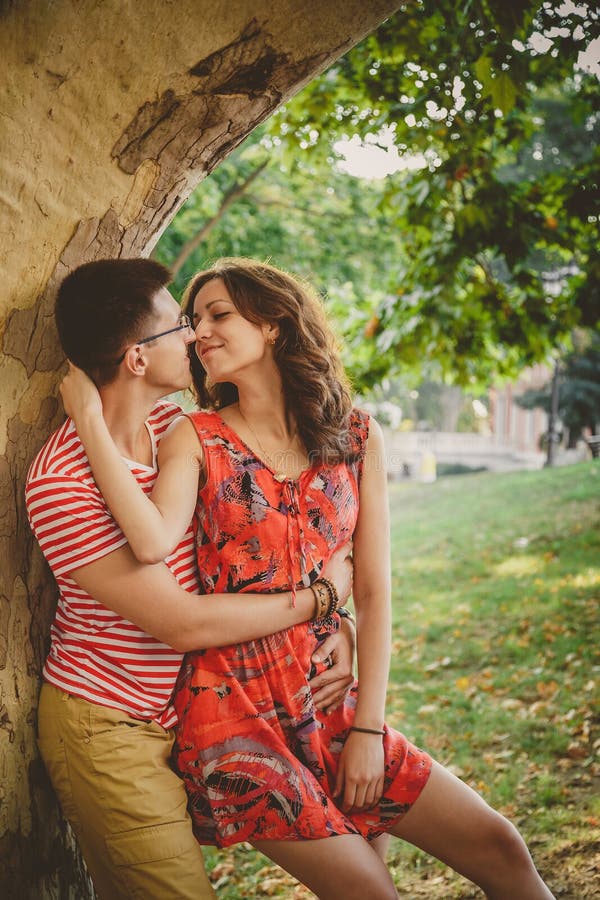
(295, 536)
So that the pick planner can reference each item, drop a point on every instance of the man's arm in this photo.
(150, 597)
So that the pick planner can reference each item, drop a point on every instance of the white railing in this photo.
(405, 450)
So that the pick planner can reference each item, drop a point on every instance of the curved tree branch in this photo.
(233, 194)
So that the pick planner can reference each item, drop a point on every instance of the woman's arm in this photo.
(372, 584)
(152, 525)
(360, 777)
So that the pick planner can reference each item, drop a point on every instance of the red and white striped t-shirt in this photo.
(94, 653)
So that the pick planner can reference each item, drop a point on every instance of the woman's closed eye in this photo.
(214, 317)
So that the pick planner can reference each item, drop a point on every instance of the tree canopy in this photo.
(480, 255)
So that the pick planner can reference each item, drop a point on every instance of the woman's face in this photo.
(227, 344)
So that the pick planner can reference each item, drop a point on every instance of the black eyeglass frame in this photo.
(184, 322)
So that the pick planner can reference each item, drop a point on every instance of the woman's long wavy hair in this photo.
(315, 386)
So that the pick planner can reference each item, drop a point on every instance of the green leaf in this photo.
(503, 92)
(483, 71)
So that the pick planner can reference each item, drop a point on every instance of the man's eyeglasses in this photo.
(183, 322)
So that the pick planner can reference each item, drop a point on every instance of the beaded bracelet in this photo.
(321, 595)
(333, 596)
(326, 598)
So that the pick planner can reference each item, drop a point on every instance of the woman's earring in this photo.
(271, 339)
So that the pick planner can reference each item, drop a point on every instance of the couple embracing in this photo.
(255, 737)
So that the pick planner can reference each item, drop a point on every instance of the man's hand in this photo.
(331, 686)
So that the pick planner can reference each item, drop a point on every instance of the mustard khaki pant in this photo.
(112, 776)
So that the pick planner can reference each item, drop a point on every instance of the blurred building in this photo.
(511, 439)
(519, 429)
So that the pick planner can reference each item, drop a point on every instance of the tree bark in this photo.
(112, 112)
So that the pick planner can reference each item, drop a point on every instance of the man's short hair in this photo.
(103, 306)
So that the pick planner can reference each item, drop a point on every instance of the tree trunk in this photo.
(112, 113)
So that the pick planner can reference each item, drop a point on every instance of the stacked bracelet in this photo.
(334, 600)
(321, 596)
(326, 598)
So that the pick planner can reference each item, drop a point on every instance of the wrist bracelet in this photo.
(321, 595)
(326, 598)
(333, 596)
(366, 730)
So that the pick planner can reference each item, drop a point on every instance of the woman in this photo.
(287, 471)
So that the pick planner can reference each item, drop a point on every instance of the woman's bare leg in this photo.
(344, 866)
(453, 823)
(381, 845)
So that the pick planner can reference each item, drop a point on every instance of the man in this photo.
(105, 718)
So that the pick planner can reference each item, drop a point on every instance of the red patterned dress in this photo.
(259, 761)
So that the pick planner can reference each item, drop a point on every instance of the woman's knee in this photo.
(502, 840)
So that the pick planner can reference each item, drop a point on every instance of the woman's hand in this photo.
(339, 570)
(359, 782)
(79, 394)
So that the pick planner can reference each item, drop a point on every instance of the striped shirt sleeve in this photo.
(71, 522)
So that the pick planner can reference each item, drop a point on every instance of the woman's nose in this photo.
(201, 329)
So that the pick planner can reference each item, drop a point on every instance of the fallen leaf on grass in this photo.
(511, 703)
(270, 886)
(224, 868)
(438, 663)
(501, 754)
(547, 689)
(455, 770)
(537, 707)
(576, 751)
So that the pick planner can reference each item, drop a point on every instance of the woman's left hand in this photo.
(359, 782)
(79, 394)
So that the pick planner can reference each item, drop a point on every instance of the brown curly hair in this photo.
(315, 386)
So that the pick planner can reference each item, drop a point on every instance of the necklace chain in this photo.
(268, 456)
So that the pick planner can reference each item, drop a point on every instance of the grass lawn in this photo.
(496, 580)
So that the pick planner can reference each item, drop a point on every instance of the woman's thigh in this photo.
(343, 866)
(453, 823)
